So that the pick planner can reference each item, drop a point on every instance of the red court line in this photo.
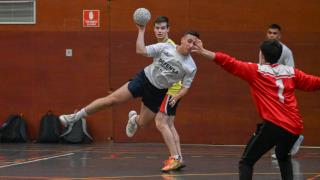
(314, 177)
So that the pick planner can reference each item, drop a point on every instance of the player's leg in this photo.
(177, 141)
(142, 120)
(261, 141)
(294, 150)
(283, 147)
(162, 124)
(119, 96)
(171, 112)
(146, 116)
(175, 136)
(151, 101)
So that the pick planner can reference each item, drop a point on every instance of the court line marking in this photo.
(144, 176)
(180, 175)
(35, 160)
(139, 150)
(314, 177)
(239, 145)
(44, 149)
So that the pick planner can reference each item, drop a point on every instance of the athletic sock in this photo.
(180, 158)
(176, 157)
(81, 114)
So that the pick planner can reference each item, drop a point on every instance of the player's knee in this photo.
(283, 156)
(161, 125)
(158, 125)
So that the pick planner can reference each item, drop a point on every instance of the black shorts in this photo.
(167, 108)
(151, 96)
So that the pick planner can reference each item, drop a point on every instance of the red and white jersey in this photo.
(273, 89)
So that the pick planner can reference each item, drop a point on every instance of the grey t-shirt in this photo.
(286, 57)
(169, 66)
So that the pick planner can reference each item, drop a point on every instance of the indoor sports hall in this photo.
(57, 56)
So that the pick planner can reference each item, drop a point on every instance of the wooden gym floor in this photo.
(140, 161)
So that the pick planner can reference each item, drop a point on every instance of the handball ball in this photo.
(141, 16)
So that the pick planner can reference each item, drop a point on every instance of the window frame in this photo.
(22, 1)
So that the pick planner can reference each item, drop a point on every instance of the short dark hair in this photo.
(271, 50)
(275, 26)
(162, 19)
(192, 32)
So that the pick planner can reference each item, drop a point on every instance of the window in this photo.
(18, 12)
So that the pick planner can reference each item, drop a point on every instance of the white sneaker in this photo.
(132, 113)
(67, 120)
(296, 145)
(132, 126)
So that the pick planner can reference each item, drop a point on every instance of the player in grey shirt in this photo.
(286, 58)
(170, 65)
(164, 119)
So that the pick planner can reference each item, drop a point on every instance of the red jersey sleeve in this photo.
(306, 82)
(244, 70)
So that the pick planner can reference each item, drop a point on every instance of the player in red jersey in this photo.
(272, 87)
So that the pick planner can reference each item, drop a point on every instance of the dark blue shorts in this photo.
(151, 96)
(166, 107)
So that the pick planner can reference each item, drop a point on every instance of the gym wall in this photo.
(36, 76)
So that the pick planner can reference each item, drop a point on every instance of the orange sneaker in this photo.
(165, 162)
(171, 164)
(183, 165)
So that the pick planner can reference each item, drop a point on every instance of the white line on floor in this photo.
(36, 160)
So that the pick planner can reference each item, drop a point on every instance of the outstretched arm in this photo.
(306, 82)
(244, 70)
(140, 45)
(198, 48)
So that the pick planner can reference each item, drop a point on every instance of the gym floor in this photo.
(140, 161)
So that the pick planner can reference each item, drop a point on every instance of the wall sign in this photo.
(91, 18)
